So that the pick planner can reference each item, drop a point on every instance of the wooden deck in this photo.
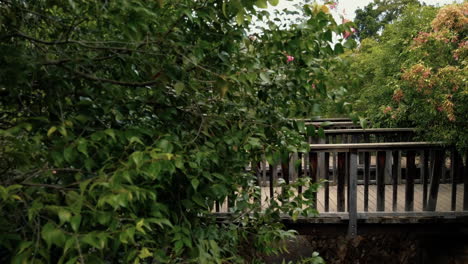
(443, 199)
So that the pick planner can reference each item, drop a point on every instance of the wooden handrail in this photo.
(332, 119)
(338, 123)
(368, 130)
(376, 146)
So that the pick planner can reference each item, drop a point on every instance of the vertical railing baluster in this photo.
(465, 184)
(381, 160)
(435, 180)
(352, 196)
(313, 160)
(454, 164)
(340, 194)
(366, 180)
(327, 180)
(299, 171)
(409, 187)
(396, 170)
(427, 175)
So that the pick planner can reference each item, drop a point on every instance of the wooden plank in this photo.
(352, 226)
(341, 175)
(327, 181)
(435, 180)
(366, 180)
(396, 171)
(409, 187)
(313, 160)
(381, 160)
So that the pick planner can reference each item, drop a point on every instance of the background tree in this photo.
(371, 19)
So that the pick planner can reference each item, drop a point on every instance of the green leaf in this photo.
(195, 182)
(64, 215)
(273, 2)
(75, 222)
(110, 133)
(69, 154)
(137, 158)
(261, 3)
(350, 44)
(264, 76)
(240, 18)
(145, 253)
(52, 235)
(338, 48)
(63, 130)
(51, 131)
(179, 87)
(198, 199)
(82, 147)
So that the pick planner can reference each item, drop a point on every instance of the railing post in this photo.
(352, 195)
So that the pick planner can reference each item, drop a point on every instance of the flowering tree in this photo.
(433, 91)
(123, 122)
(416, 74)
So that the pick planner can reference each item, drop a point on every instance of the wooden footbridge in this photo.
(374, 176)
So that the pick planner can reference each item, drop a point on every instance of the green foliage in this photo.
(123, 122)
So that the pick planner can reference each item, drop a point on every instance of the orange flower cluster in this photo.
(448, 107)
(452, 17)
(398, 95)
(419, 75)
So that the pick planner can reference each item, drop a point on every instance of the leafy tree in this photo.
(371, 19)
(124, 122)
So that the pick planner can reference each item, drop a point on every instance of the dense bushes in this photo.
(122, 122)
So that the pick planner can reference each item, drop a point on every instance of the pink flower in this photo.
(346, 34)
(289, 58)
(313, 86)
(332, 5)
(387, 109)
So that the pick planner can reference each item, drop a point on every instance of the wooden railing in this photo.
(365, 174)
(391, 179)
